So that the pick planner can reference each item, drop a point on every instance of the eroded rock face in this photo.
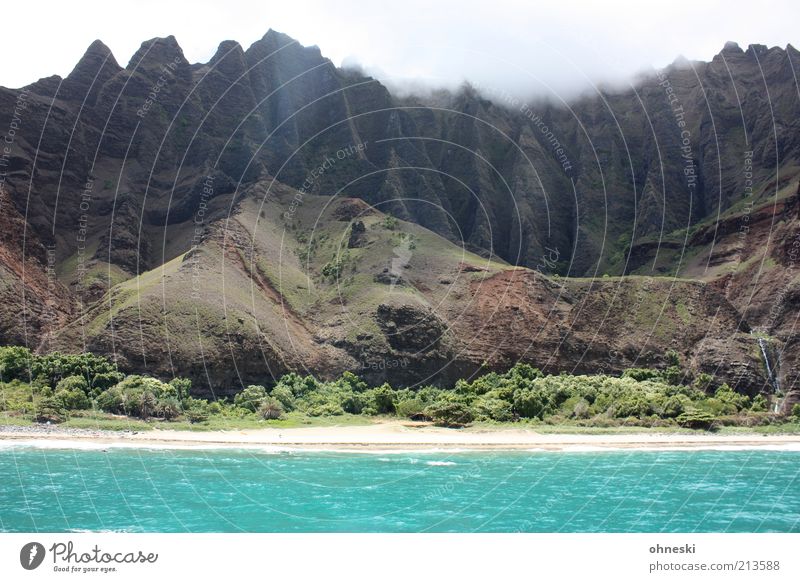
(358, 235)
(102, 165)
(410, 329)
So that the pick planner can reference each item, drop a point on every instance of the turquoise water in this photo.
(229, 491)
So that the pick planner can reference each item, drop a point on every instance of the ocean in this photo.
(241, 490)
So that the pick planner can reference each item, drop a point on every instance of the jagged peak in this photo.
(731, 47)
(274, 40)
(225, 50)
(756, 49)
(96, 56)
(158, 49)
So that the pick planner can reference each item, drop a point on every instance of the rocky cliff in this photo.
(156, 212)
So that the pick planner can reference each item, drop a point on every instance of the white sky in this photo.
(507, 45)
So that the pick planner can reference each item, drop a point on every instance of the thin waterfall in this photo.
(773, 378)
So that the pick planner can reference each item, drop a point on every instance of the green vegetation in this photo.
(87, 390)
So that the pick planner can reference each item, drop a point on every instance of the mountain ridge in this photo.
(123, 157)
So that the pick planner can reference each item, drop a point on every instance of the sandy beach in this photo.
(384, 436)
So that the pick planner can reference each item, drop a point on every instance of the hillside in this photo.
(268, 212)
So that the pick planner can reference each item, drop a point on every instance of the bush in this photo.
(642, 374)
(50, 410)
(325, 409)
(168, 408)
(759, 404)
(449, 414)
(270, 409)
(696, 419)
(105, 380)
(250, 398)
(383, 399)
(489, 408)
(531, 403)
(196, 416)
(15, 363)
(111, 401)
(56, 366)
(704, 382)
(674, 406)
(411, 408)
(72, 399)
(726, 394)
(796, 410)
(196, 410)
(525, 371)
(298, 385)
(673, 375)
(73, 383)
(283, 394)
(182, 386)
(634, 405)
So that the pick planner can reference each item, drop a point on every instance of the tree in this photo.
(72, 399)
(411, 408)
(674, 407)
(531, 403)
(50, 410)
(759, 403)
(73, 383)
(383, 398)
(147, 403)
(696, 419)
(168, 408)
(15, 363)
(449, 413)
(270, 409)
(182, 387)
(283, 394)
(489, 408)
(111, 401)
(55, 366)
(250, 398)
(196, 410)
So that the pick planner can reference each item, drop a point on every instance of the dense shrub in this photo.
(283, 394)
(15, 363)
(449, 413)
(270, 409)
(111, 401)
(250, 398)
(675, 406)
(298, 385)
(726, 394)
(532, 403)
(168, 408)
(73, 383)
(491, 408)
(72, 399)
(48, 387)
(182, 388)
(196, 410)
(696, 419)
(382, 399)
(641, 374)
(54, 367)
(759, 404)
(411, 408)
(50, 410)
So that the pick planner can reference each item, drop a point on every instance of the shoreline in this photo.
(388, 437)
